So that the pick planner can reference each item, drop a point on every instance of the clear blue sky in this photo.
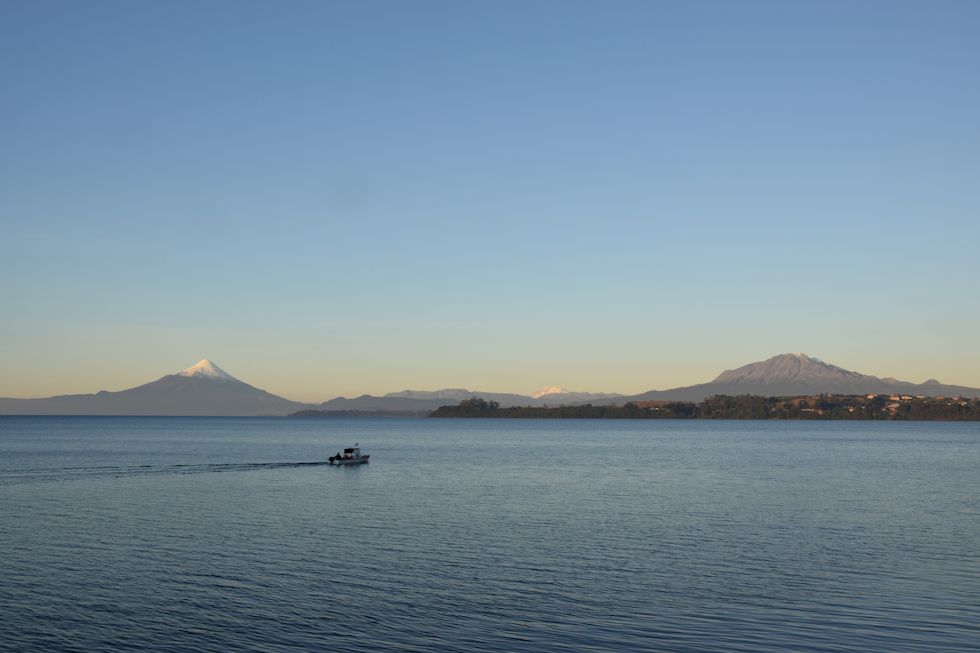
(336, 198)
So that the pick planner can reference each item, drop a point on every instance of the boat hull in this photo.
(349, 461)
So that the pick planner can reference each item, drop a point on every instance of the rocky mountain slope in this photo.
(799, 374)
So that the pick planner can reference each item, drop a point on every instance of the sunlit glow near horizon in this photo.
(361, 198)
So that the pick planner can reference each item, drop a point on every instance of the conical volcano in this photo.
(203, 389)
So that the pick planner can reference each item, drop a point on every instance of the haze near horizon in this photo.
(353, 198)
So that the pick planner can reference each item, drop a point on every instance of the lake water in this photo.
(213, 534)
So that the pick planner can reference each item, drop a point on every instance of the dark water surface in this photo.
(163, 534)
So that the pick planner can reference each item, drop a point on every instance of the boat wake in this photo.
(16, 476)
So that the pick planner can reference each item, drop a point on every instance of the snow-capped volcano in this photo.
(202, 389)
(207, 370)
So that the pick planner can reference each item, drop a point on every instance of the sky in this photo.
(339, 198)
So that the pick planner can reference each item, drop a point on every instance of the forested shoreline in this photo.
(825, 407)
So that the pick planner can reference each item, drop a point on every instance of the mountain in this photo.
(206, 389)
(420, 401)
(555, 395)
(459, 394)
(372, 404)
(428, 400)
(205, 369)
(799, 374)
(553, 390)
(203, 389)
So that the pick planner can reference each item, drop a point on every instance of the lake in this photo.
(226, 534)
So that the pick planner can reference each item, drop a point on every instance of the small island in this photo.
(824, 407)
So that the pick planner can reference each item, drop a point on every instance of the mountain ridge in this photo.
(205, 389)
(799, 374)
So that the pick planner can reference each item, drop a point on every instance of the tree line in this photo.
(840, 407)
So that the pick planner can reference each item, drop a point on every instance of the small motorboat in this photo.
(351, 456)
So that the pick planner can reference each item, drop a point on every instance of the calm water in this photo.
(468, 535)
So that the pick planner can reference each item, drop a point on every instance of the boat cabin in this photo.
(351, 456)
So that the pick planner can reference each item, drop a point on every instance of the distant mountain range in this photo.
(205, 389)
(425, 401)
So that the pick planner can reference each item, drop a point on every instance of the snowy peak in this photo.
(555, 394)
(553, 390)
(207, 370)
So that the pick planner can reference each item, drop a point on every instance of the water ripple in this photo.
(488, 537)
(37, 475)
